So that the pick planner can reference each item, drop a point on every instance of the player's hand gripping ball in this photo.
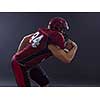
(69, 44)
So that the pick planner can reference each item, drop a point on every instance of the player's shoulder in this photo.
(42, 29)
(46, 30)
(28, 36)
(52, 33)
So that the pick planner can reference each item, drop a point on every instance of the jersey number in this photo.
(35, 40)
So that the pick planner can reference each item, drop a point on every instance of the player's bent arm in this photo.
(23, 43)
(59, 53)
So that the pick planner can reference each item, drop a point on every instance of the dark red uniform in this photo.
(35, 52)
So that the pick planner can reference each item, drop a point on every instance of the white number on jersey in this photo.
(35, 40)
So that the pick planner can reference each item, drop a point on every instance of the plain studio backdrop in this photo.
(84, 30)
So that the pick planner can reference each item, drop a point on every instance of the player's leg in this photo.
(38, 75)
(20, 73)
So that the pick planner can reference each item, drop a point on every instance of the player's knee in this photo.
(39, 77)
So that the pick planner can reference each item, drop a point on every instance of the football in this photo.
(69, 46)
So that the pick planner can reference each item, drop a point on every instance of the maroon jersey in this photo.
(37, 49)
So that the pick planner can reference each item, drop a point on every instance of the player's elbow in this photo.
(67, 60)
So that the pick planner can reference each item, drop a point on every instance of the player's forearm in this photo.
(70, 55)
(61, 54)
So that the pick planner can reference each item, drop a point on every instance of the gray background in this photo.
(84, 29)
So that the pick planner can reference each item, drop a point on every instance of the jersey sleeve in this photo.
(54, 37)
